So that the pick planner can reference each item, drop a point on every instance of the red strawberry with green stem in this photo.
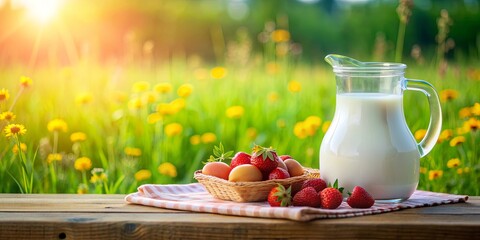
(360, 198)
(265, 159)
(279, 196)
(239, 159)
(331, 197)
(307, 197)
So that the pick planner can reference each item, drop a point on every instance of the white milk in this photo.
(369, 144)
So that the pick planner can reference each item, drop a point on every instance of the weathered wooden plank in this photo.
(200, 226)
(116, 203)
(70, 216)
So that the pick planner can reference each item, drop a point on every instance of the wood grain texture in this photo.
(109, 217)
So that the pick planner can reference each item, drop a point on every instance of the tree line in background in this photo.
(118, 30)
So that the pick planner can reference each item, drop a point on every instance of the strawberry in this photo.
(307, 197)
(317, 183)
(279, 196)
(239, 159)
(360, 198)
(331, 197)
(278, 173)
(264, 159)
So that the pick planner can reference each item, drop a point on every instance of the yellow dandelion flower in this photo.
(462, 130)
(434, 174)
(25, 81)
(54, 157)
(7, 116)
(273, 97)
(84, 98)
(312, 123)
(165, 109)
(201, 74)
(173, 129)
(14, 130)
(163, 88)
(98, 176)
(475, 109)
(23, 147)
(218, 72)
(294, 86)
(140, 86)
(4, 95)
(208, 137)
(195, 139)
(167, 169)
(149, 97)
(423, 170)
(457, 141)
(453, 163)
(135, 104)
(78, 137)
(132, 151)
(281, 123)
(177, 105)
(185, 90)
(459, 171)
(235, 112)
(325, 126)
(445, 135)
(154, 117)
(448, 95)
(300, 130)
(82, 189)
(57, 125)
(143, 174)
(252, 133)
(466, 169)
(420, 134)
(272, 68)
(83, 164)
(465, 112)
(472, 124)
(280, 35)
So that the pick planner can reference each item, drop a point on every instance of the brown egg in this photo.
(245, 173)
(217, 169)
(294, 167)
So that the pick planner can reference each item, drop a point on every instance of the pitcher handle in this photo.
(435, 124)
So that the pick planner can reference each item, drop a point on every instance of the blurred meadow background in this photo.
(102, 96)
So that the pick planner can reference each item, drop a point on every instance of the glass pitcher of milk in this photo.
(369, 143)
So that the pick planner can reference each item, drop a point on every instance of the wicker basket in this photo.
(248, 191)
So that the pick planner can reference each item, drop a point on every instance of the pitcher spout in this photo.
(336, 60)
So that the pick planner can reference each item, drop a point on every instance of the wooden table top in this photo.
(70, 216)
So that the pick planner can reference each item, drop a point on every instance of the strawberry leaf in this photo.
(335, 184)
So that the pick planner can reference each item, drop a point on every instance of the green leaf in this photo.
(335, 184)
(228, 154)
(270, 155)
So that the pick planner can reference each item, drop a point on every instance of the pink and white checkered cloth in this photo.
(194, 197)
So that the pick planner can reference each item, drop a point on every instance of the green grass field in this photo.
(85, 123)
(114, 127)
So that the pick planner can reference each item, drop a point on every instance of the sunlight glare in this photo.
(42, 11)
